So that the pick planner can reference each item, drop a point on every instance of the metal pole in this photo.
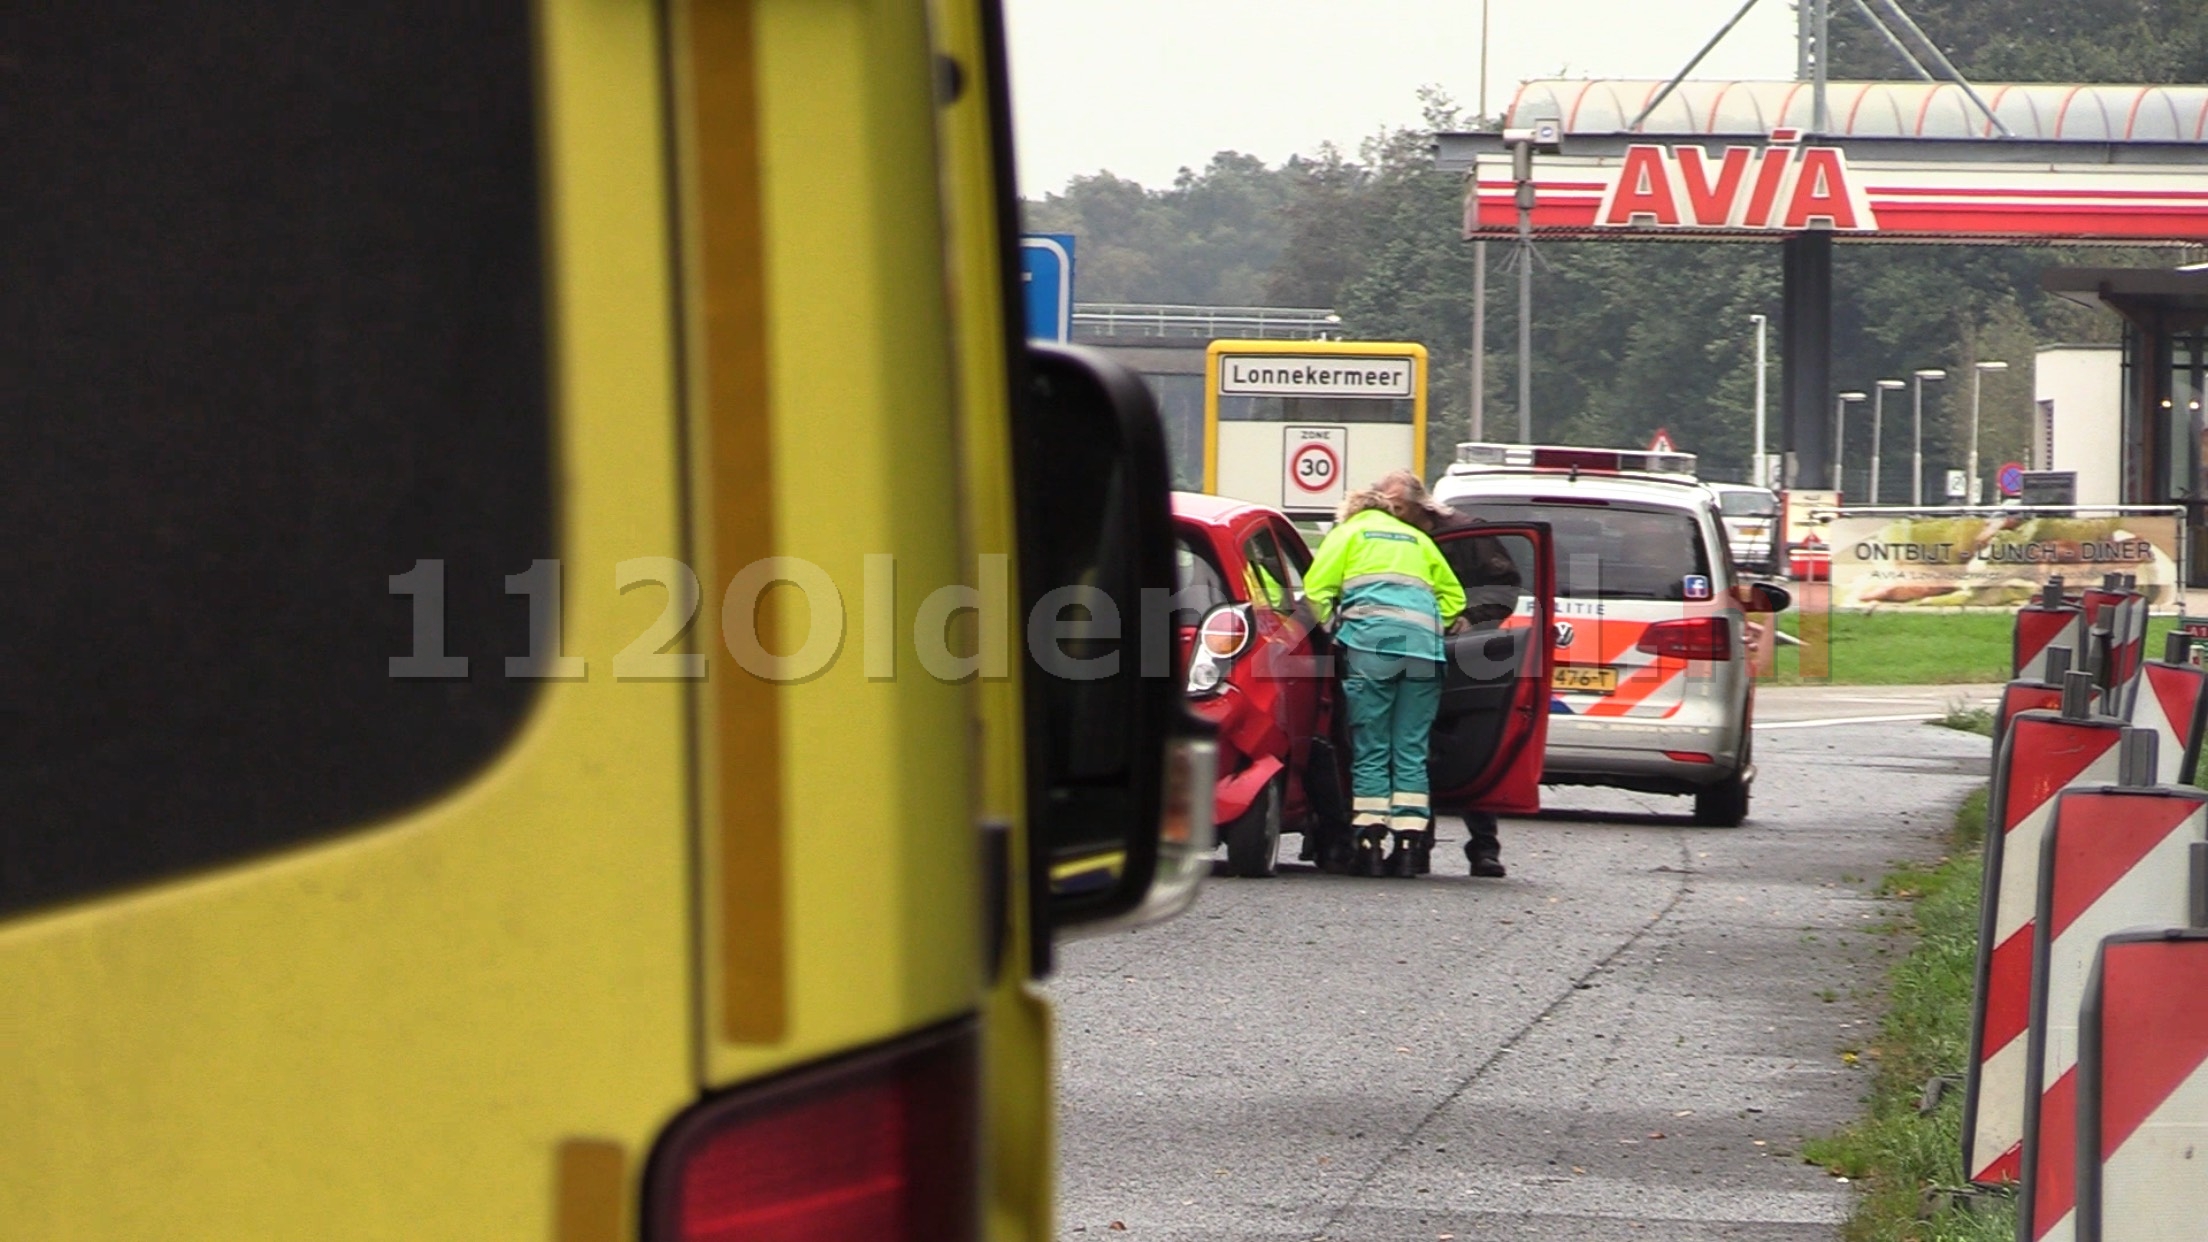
(1525, 326)
(1483, 60)
(1900, 49)
(1878, 432)
(1839, 440)
(1803, 31)
(1479, 269)
(1521, 159)
(1947, 66)
(1878, 424)
(1823, 123)
(1763, 471)
(1916, 456)
(1479, 328)
(1977, 382)
(1669, 87)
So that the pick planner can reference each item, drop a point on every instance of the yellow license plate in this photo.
(1584, 678)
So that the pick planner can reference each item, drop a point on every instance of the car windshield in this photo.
(1747, 504)
(1611, 551)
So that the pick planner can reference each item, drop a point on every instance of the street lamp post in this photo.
(1916, 490)
(1840, 433)
(1878, 426)
(1977, 384)
(1763, 472)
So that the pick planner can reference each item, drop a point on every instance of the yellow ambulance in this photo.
(534, 523)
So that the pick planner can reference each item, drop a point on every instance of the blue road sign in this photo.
(2011, 478)
(1046, 278)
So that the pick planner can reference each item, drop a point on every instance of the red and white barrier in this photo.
(2136, 614)
(2043, 693)
(2122, 612)
(2143, 1090)
(2041, 756)
(2173, 701)
(2019, 697)
(2114, 859)
(2047, 622)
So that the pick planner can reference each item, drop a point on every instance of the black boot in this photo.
(1423, 857)
(1483, 847)
(1404, 861)
(1371, 844)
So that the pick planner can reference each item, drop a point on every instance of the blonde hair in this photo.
(1402, 496)
(1405, 496)
(1360, 500)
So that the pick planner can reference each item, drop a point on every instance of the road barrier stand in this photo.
(2173, 701)
(2114, 858)
(2048, 622)
(2121, 612)
(2041, 755)
(2042, 693)
(2142, 1099)
(2137, 612)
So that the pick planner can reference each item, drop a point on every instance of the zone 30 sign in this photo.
(1780, 187)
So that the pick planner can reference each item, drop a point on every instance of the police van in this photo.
(1649, 684)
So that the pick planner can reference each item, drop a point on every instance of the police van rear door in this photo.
(1491, 733)
(1622, 567)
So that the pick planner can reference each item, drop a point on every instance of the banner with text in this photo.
(1998, 561)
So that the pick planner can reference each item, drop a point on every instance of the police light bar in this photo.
(1568, 457)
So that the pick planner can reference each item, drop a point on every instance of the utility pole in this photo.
(1916, 491)
(1479, 269)
(1823, 119)
(1762, 477)
(1525, 303)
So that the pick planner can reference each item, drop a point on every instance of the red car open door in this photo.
(1493, 727)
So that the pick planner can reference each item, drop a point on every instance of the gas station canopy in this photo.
(2036, 111)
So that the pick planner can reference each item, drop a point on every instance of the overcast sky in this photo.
(1143, 87)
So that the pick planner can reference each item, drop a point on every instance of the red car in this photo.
(1258, 668)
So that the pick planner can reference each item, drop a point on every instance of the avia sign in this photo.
(1787, 185)
(1781, 187)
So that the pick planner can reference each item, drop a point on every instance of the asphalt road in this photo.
(1629, 1038)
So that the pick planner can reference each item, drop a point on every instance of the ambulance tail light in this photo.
(1691, 638)
(882, 1145)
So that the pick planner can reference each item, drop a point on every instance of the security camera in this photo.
(1542, 135)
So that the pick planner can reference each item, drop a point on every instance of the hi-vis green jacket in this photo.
(1396, 593)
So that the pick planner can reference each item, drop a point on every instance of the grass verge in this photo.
(1910, 1163)
(1909, 648)
(1967, 719)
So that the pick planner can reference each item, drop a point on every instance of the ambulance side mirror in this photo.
(1119, 770)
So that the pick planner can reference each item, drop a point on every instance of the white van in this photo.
(1650, 688)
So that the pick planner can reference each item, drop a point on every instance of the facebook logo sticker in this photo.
(1697, 587)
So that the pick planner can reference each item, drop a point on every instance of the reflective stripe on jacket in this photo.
(1391, 587)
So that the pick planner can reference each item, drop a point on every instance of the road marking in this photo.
(1919, 717)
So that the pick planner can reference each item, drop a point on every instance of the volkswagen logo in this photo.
(1563, 634)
